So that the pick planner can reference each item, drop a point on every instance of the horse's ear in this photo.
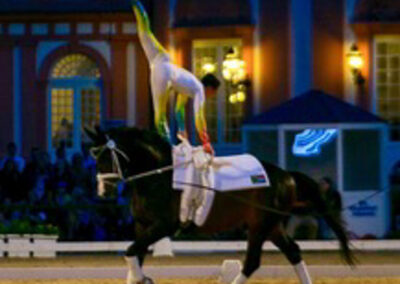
(91, 133)
(101, 134)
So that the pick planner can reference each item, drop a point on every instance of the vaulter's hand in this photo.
(209, 149)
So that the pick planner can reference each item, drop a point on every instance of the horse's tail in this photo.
(309, 192)
(149, 42)
(336, 223)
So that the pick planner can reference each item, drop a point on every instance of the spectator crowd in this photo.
(61, 193)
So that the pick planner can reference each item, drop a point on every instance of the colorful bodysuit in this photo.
(167, 78)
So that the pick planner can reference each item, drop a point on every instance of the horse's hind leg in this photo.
(292, 252)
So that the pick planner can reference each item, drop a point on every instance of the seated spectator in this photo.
(32, 170)
(302, 227)
(10, 182)
(63, 135)
(90, 165)
(330, 193)
(61, 175)
(80, 177)
(334, 201)
(89, 161)
(12, 155)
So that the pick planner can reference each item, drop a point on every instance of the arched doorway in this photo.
(75, 101)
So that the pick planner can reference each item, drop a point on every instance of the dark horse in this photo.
(262, 211)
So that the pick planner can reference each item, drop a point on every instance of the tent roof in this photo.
(314, 107)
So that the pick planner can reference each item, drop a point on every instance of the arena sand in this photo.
(210, 281)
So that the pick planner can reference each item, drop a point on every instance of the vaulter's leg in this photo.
(204, 209)
(181, 101)
(292, 252)
(200, 119)
(150, 44)
(188, 196)
(160, 115)
(160, 89)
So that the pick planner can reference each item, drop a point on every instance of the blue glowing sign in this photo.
(309, 142)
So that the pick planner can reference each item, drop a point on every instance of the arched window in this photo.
(75, 100)
(75, 65)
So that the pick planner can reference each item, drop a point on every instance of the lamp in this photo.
(233, 68)
(356, 62)
(208, 67)
(234, 72)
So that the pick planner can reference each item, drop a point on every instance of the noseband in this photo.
(102, 178)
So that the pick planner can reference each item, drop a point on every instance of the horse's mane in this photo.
(149, 140)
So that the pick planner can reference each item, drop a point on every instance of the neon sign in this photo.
(310, 141)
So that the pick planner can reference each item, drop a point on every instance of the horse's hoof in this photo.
(147, 280)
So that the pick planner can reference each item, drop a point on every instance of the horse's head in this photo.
(121, 153)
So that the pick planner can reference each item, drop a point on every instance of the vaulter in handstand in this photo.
(167, 78)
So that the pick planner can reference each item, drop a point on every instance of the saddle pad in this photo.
(229, 173)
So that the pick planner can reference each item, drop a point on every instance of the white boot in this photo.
(135, 274)
(205, 207)
(302, 273)
(207, 179)
(240, 279)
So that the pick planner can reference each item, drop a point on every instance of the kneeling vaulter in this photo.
(166, 79)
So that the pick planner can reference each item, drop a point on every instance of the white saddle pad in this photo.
(230, 173)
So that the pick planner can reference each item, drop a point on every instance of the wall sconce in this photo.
(356, 62)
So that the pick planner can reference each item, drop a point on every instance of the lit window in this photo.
(75, 100)
(62, 116)
(224, 117)
(387, 82)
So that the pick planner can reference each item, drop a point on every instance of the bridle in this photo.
(103, 178)
(117, 173)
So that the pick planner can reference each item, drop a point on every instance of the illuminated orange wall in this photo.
(328, 46)
(275, 52)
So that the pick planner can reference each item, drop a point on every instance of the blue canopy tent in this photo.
(322, 136)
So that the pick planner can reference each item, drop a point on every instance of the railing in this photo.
(29, 245)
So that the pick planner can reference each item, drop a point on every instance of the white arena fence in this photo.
(48, 246)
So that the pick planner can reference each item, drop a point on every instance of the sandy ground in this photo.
(326, 258)
(210, 281)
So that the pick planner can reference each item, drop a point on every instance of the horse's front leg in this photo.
(136, 253)
(256, 237)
